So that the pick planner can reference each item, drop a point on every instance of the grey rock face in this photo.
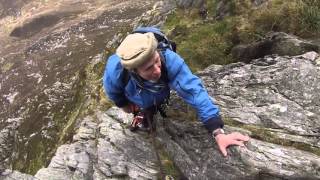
(103, 148)
(274, 100)
(12, 175)
(276, 92)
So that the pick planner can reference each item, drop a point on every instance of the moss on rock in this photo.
(6, 67)
(169, 168)
(267, 135)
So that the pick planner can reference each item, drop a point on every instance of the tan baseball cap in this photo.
(136, 49)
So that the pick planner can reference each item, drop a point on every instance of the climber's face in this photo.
(151, 70)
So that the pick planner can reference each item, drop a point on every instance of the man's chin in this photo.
(154, 80)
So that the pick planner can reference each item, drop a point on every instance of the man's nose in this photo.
(157, 69)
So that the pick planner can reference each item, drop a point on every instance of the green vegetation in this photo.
(169, 168)
(88, 96)
(310, 16)
(299, 17)
(199, 43)
(202, 42)
(6, 67)
(38, 157)
(41, 149)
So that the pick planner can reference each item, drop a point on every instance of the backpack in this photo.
(163, 43)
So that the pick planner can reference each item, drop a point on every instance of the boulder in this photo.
(246, 53)
(275, 43)
(285, 44)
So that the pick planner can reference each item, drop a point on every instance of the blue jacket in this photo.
(187, 85)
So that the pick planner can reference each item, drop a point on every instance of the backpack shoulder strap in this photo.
(125, 76)
(164, 71)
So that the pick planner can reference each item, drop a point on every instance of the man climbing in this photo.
(138, 79)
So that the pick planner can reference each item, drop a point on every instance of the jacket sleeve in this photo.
(112, 81)
(191, 89)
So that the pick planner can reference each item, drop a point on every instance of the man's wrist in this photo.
(218, 131)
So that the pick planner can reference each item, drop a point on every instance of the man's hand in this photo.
(225, 140)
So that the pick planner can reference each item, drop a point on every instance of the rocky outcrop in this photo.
(246, 53)
(275, 43)
(273, 99)
(285, 44)
(10, 175)
(103, 148)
